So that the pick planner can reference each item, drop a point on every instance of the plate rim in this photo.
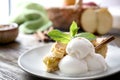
(70, 78)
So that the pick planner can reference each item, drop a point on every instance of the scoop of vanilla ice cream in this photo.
(79, 47)
(96, 62)
(72, 66)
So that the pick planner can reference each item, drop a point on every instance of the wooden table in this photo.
(9, 69)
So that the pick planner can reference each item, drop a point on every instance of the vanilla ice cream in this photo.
(71, 65)
(96, 62)
(81, 58)
(79, 47)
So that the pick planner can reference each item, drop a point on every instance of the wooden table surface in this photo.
(9, 69)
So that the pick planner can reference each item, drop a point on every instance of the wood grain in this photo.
(9, 53)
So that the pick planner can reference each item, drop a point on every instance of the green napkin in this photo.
(31, 17)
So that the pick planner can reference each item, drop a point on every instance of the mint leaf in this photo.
(73, 29)
(62, 37)
(59, 36)
(86, 35)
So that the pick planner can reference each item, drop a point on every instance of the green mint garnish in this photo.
(63, 37)
(59, 36)
(73, 29)
(86, 35)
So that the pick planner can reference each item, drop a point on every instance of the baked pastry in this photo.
(102, 50)
(51, 63)
(101, 45)
(58, 51)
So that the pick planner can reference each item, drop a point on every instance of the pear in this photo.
(96, 20)
(89, 20)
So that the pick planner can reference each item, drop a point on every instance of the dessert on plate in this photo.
(81, 58)
(76, 53)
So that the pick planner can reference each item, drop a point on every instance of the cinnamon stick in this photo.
(46, 31)
(42, 37)
(107, 40)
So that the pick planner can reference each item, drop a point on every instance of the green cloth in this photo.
(31, 17)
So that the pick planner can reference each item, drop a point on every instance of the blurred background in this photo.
(8, 6)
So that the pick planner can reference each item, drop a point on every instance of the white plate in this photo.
(31, 61)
